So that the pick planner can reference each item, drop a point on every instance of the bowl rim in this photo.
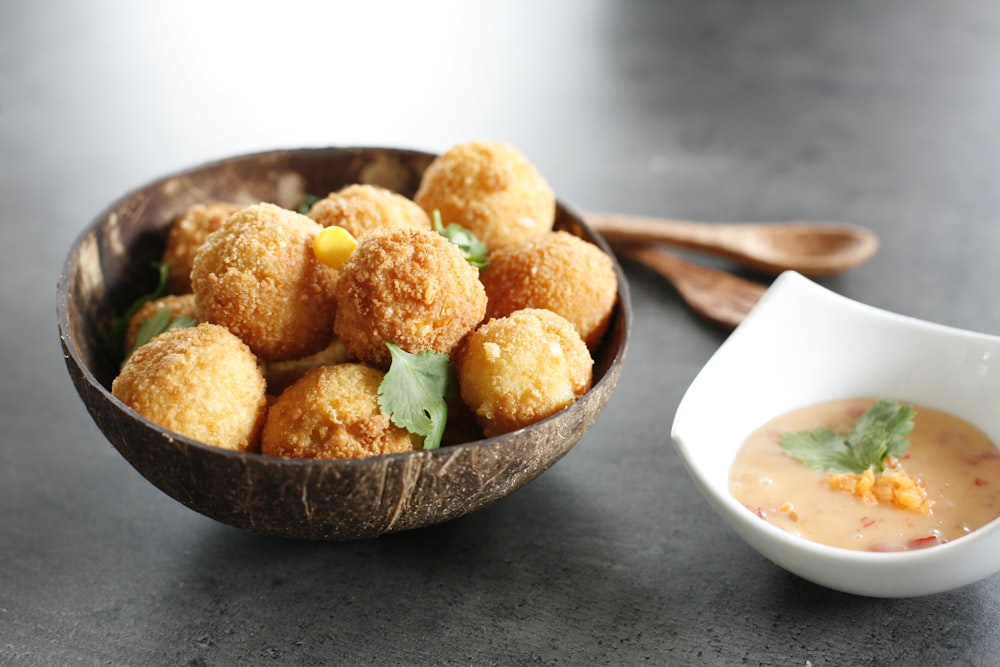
(621, 319)
(790, 551)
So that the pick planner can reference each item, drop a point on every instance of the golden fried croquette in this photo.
(202, 382)
(516, 370)
(258, 277)
(407, 286)
(364, 208)
(332, 412)
(557, 271)
(491, 189)
(177, 304)
(187, 233)
(281, 374)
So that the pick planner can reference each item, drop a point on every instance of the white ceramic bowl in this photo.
(804, 344)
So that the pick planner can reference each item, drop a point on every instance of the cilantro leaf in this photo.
(116, 334)
(308, 201)
(821, 449)
(160, 322)
(413, 390)
(882, 431)
(472, 248)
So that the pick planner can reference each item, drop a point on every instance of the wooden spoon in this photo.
(811, 248)
(718, 296)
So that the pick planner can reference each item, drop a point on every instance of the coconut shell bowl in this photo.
(108, 268)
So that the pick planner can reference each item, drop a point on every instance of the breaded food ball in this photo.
(491, 189)
(362, 208)
(187, 233)
(557, 271)
(281, 374)
(202, 382)
(332, 412)
(258, 277)
(176, 304)
(516, 370)
(407, 286)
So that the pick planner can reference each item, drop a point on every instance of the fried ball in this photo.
(202, 382)
(187, 233)
(407, 286)
(491, 189)
(557, 271)
(176, 304)
(364, 208)
(258, 277)
(332, 412)
(281, 374)
(516, 370)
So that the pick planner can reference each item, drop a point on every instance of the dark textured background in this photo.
(883, 114)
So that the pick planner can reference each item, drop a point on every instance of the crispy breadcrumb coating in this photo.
(491, 189)
(281, 374)
(177, 304)
(516, 370)
(361, 209)
(332, 412)
(187, 233)
(407, 286)
(202, 382)
(559, 272)
(258, 276)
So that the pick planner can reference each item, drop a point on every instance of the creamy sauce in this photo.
(955, 462)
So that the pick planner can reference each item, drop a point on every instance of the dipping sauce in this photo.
(955, 463)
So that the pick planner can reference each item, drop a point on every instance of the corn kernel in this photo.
(333, 246)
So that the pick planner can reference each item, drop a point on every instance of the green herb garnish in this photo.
(413, 392)
(306, 204)
(116, 334)
(160, 322)
(882, 431)
(472, 248)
